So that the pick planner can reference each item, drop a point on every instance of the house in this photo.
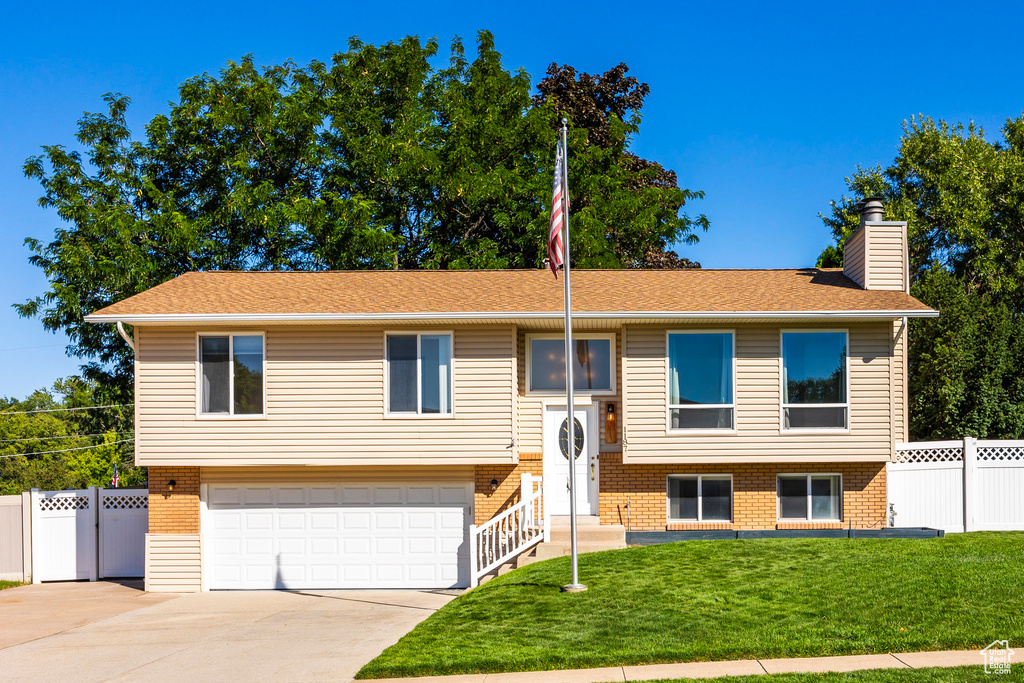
(344, 429)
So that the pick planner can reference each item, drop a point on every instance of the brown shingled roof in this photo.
(379, 293)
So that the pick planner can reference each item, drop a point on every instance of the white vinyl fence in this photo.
(966, 485)
(88, 534)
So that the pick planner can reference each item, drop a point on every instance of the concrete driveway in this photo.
(252, 635)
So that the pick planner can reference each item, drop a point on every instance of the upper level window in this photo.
(592, 370)
(419, 373)
(232, 374)
(700, 380)
(814, 378)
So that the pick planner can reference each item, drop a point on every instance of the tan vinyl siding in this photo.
(530, 408)
(887, 256)
(173, 563)
(308, 475)
(758, 436)
(325, 403)
(853, 257)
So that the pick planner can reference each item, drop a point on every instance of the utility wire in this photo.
(67, 450)
(64, 410)
(67, 436)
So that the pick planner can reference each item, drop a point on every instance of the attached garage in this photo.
(337, 535)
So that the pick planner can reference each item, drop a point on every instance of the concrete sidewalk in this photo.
(741, 667)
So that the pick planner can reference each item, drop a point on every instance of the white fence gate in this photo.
(64, 535)
(88, 534)
(124, 521)
(966, 485)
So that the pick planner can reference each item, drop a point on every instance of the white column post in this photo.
(94, 506)
(970, 465)
(35, 533)
(473, 559)
(26, 537)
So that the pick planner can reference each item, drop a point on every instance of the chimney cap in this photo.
(870, 209)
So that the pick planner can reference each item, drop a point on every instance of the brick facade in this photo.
(644, 486)
(177, 511)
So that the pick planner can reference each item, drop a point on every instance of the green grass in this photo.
(961, 674)
(721, 600)
(9, 584)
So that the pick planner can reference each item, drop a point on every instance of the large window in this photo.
(700, 380)
(231, 374)
(419, 373)
(810, 497)
(592, 370)
(814, 378)
(700, 498)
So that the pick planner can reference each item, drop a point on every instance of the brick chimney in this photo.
(875, 256)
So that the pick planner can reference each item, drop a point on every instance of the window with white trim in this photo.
(700, 498)
(593, 370)
(810, 497)
(231, 374)
(700, 380)
(419, 373)
(814, 380)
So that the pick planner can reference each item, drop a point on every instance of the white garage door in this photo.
(337, 536)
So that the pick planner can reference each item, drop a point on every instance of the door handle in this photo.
(591, 471)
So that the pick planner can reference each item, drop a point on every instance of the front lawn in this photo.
(960, 674)
(9, 584)
(720, 600)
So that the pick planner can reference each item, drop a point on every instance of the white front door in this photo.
(556, 465)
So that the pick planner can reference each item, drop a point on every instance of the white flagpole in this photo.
(575, 586)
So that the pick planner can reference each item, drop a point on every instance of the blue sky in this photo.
(764, 106)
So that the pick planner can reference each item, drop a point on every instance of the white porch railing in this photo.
(511, 533)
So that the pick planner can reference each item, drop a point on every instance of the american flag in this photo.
(115, 481)
(555, 249)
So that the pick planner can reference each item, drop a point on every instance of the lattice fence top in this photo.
(130, 502)
(931, 454)
(58, 503)
(1005, 453)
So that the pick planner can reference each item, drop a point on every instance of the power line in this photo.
(63, 410)
(66, 436)
(67, 450)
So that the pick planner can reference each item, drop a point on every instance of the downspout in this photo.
(124, 335)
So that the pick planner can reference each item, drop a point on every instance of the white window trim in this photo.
(782, 387)
(612, 360)
(807, 483)
(700, 499)
(668, 389)
(230, 334)
(419, 414)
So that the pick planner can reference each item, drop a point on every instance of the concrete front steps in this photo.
(591, 536)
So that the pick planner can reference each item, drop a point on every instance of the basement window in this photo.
(810, 497)
(700, 498)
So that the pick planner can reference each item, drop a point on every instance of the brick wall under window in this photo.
(177, 511)
(754, 492)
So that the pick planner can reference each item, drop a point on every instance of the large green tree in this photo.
(963, 198)
(376, 159)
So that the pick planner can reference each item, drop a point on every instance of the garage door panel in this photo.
(337, 536)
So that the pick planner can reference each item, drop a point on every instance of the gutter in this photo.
(124, 335)
(522, 315)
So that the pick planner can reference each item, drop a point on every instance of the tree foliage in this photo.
(375, 159)
(963, 198)
(27, 440)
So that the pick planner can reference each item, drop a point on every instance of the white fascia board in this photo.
(477, 316)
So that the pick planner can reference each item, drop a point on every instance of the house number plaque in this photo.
(563, 439)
